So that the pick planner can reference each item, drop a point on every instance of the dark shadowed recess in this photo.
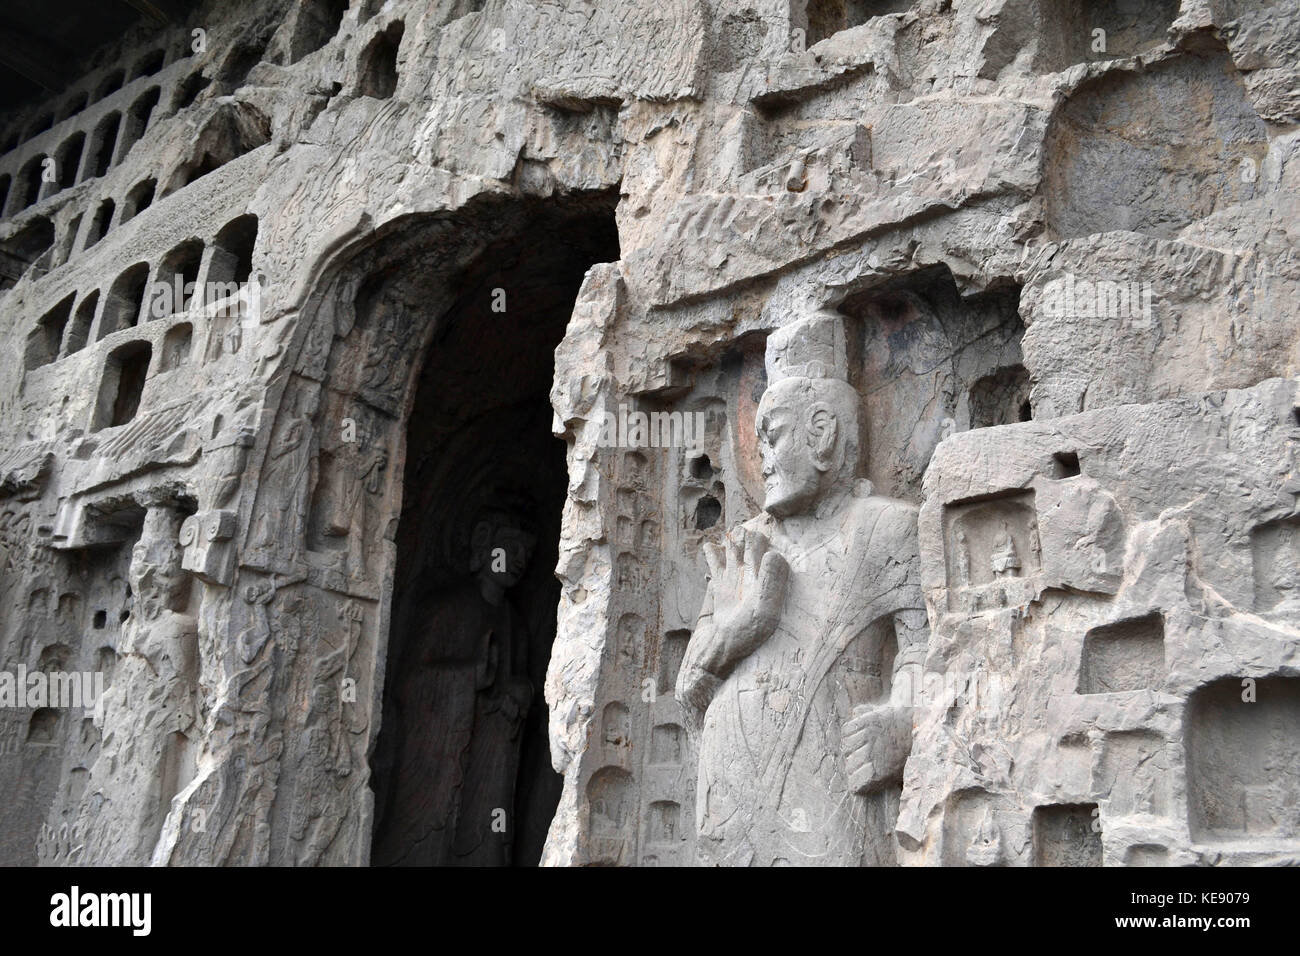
(46, 46)
(462, 771)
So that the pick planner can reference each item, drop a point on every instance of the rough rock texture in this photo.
(969, 301)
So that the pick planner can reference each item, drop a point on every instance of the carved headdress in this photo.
(807, 364)
(811, 347)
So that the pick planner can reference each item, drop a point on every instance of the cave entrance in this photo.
(461, 770)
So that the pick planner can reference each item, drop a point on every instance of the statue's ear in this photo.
(823, 431)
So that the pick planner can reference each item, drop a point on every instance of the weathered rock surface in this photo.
(376, 565)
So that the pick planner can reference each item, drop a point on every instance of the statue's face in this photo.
(791, 478)
(504, 553)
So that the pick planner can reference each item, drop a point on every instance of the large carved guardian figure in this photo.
(811, 607)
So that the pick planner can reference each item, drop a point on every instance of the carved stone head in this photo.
(501, 548)
(807, 420)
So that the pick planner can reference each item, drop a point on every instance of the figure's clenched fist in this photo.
(876, 742)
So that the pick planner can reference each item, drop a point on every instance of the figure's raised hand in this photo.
(748, 584)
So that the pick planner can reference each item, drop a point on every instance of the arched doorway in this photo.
(461, 771)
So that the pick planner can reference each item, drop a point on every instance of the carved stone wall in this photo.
(483, 276)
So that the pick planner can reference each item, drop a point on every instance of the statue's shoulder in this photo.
(883, 518)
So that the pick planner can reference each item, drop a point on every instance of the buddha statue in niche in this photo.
(800, 756)
(462, 693)
(147, 714)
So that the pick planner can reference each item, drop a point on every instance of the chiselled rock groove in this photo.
(702, 432)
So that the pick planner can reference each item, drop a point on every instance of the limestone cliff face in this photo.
(350, 518)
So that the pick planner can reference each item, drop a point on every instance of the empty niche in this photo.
(1061, 33)
(176, 347)
(1000, 397)
(106, 663)
(68, 240)
(188, 90)
(664, 824)
(125, 299)
(232, 255)
(1275, 555)
(1127, 655)
(29, 184)
(43, 727)
(1067, 835)
(73, 106)
(122, 386)
(666, 745)
(5, 182)
(672, 650)
(989, 542)
(1243, 760)
(616, 725)
(103, 143)
(318, 21)
(138, 199)
(26, 249)
(234, 130)
(137, 120)
(177, 281)
(99, 223)
(67, 159)
(81, 322)
(1065, 464)
(1185, 100)
(823, 18)
(244, 55)
(1146, 854)
(44, 341)
(378, 65)
(149, 64)
(708, 511)
(111, 84)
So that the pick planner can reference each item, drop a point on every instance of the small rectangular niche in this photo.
(1127, 655)
(671, 653)
(1065, 464)
(122, 386)
(44, 342)
(1242, 741)
(1067, 834)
